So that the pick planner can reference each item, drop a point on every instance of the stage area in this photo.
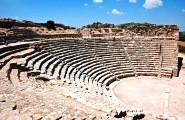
(148, 94)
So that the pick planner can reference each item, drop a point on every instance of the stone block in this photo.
(7, 105)
(2, 98)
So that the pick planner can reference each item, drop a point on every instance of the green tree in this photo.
(182, 36)
(50, 24)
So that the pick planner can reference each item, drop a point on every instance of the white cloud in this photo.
(115, 11)
(16, 18)
(133, 1)
(150, 4)
(100, 6)
(97, 1)
(86, 4)
(183, 10)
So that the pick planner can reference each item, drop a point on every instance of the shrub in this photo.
(181, 48)
(51, 24)
(182, 36)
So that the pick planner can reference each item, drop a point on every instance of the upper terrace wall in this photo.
(151, 30)
(132, 30)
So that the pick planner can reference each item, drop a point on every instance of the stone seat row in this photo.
(33, 61)
(89, 62)
(70, 72)
(154, 57)
(76, 49)
(42, 60)
(142, 50)
(7, 52)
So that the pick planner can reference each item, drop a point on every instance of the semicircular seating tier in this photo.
(87, 68)
(96, 62)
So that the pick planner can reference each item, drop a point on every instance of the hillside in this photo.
(9, 23)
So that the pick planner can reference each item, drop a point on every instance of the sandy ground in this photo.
(148, 93)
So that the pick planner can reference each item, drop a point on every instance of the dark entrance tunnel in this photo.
(179, 65)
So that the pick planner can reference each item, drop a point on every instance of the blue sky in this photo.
(82, 12)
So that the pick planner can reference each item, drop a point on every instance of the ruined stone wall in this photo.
(151, 30)
(144, 30)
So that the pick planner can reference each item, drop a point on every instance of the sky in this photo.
(78, 13)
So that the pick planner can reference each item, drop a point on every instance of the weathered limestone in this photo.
(87, 67)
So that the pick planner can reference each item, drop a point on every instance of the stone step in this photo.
(35, 59)
(56, 73)
(39, 64)
(24, 61)
(48, 64)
